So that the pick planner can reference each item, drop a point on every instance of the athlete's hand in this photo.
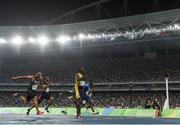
(13, 78)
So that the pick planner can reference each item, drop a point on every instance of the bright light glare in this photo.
(63, 39)
(43, 40)
(17, 40)
(177, 26)
(81, 36)
(31, 40)
(2, 41)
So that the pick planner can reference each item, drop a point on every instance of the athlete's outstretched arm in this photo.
(23, 77)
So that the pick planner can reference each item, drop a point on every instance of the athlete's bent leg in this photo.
(91, 106)
(28, 110)
(78, 108)
(24, 99)
(50, 101)
(36, 104)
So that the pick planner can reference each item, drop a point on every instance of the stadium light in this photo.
(43, 40)
(63, 39)
(177, 26)
(81, 36)
(2, 41)
(17, 40)
(131, 34)
(89, 36)
(31, 40)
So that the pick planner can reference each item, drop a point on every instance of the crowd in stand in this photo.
(102, 99)
(98, 70)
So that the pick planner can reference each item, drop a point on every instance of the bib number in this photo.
(34, 87)
(82, 83)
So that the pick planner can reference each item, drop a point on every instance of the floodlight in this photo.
(17, 40)
(43, 40)
(63, 39)
(2, 41)
(31, 40)
(81, 36)
(176, 26)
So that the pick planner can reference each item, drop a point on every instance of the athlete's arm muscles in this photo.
(23, 77)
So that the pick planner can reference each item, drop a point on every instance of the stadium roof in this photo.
(122, 23)
(93, 33)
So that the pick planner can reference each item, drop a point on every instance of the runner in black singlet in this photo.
(32, 89)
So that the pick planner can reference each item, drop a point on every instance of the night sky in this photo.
(39, 12)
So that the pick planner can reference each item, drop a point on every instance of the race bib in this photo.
(81, 83)
(34, 87)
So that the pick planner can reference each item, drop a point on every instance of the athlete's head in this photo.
(81, 70)
(38, 75)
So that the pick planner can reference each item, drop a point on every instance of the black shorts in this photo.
(45, 95)
(31, 94)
